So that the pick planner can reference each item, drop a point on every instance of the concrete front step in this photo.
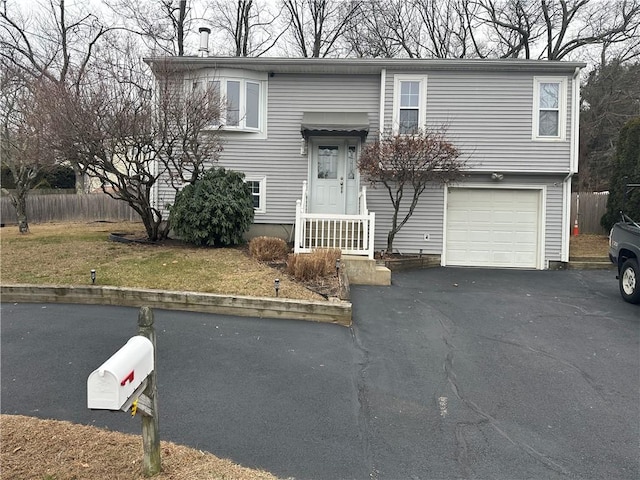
(363, 271)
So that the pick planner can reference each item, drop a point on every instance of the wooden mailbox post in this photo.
(150, 438)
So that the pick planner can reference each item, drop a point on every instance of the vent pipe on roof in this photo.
(204, 41)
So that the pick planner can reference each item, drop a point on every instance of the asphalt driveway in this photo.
(448, 373)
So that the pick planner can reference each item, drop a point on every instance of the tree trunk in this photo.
(390, 236)
(151, 227)
(394, 224)
(157, 229)
(19, 202)
(80, 184)
(182, 15)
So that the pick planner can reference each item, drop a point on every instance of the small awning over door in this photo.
(335, 123)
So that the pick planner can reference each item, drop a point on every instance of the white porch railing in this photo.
(352, 234)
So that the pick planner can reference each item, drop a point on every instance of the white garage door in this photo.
(493, 227)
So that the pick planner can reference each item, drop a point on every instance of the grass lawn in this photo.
(64, 254)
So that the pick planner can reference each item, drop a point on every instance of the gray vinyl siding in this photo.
(278, 156)
(429, 215)
(427, 218)
(489, 116)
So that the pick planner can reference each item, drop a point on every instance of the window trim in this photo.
(422, 101)
(562, 109)
(262, 181)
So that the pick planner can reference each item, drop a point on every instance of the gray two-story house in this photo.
(295, 127)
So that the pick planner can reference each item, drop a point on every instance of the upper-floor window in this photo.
(243, 96)
(549, 111)
(409, 103)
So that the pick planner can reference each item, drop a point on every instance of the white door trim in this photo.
(542, 216)
(344, 143)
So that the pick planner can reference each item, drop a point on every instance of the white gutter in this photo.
(573, 164)
(383, 85)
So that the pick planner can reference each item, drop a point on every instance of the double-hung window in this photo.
(258, 187)
(409, 103)
(549, 111)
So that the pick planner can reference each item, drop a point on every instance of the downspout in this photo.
(573, 164)
(155, 189)
(383, 87)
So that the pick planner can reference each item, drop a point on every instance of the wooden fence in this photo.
(589, 208)
(59, 208)
(67, 208)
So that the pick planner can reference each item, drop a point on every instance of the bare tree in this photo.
(410, 162)
(403, 28)
(549, 29)
(555, 29)
(57, 43)
(133, 143)
(369, 34)
(162, 24)
(249, 25)
(512, 27)
(23, 149)
(317, 26)
(617, 22)
(413, 29)
(446, 28)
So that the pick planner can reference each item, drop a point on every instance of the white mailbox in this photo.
(116, 380)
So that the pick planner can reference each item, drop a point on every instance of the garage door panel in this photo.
(501, 258)
(523, 238)
(482, 255)
(493, 227)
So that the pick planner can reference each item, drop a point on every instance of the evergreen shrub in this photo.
(216, 210)
(626, 169)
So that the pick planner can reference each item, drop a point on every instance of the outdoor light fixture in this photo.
(276, 284)
(337, 267)
(93, 276)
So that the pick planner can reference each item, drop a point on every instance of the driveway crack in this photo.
(364, 406)
(462, 447)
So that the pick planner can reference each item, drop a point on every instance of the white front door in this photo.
(334, 176)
